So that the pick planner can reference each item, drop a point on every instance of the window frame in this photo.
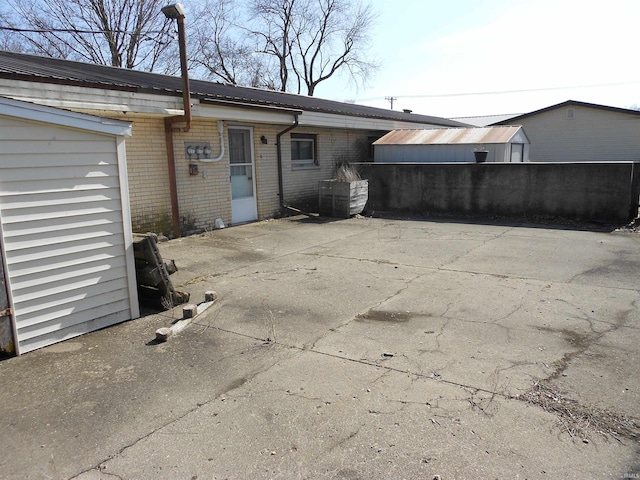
(297, 138)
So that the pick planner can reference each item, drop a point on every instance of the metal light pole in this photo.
(176, 11)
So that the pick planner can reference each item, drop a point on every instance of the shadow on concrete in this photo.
(524, 221)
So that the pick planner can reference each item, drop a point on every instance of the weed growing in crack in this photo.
(577, 419)
(486, 404)
(166, 302)
(271, 329)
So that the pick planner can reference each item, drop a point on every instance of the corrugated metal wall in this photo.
(435, 153)
(62, 220)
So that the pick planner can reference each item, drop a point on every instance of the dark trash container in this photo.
(481, 157)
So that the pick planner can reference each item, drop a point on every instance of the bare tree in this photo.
(219, 51)
(121, 33)
(325, 37)
(277, 27)
(286, 45)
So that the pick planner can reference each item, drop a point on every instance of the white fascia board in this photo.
(84, 98)
(316, 119)
(41, 113)
(242, 114)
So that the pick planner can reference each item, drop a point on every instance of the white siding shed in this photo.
(444, 145)
(65, 224)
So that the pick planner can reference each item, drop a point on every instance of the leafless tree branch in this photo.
(120, 33)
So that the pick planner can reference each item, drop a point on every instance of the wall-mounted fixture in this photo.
(263, 139)
(197, 150)
(193, 169)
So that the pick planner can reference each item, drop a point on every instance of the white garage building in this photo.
(65, 229)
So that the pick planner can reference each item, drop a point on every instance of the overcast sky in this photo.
(445, 57)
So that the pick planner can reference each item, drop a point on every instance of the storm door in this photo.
(242, 175)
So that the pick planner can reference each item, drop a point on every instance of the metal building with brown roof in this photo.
(445, 145)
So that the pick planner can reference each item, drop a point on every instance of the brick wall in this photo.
(267, 170)
(147, 170)
(205, 197)
(301, 184)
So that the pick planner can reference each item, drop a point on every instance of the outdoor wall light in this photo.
(174, 11)
(263, 139)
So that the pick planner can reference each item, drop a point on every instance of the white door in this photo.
(243, 184)
(516, 152)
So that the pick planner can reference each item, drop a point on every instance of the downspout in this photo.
(168, 128)
(279, 155)
(173, 184)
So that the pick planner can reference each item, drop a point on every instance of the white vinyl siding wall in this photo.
(64, 231)
(592, 135)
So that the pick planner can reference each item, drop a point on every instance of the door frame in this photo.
(254, 204)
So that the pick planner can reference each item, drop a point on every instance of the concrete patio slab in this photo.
(366, 348)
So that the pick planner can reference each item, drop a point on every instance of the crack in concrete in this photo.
(363, 314)
(232, 386)
(442, 328)
(584, 341)
(344, 440)
(101, 471)
(273, 258)
(581, 341)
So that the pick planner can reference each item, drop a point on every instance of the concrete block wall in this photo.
(600, 192)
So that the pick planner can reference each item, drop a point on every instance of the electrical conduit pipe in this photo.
(221, 134)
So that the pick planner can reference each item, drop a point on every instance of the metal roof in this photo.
(446, 136)
(485, 120)
(50, 70)
(571, 103)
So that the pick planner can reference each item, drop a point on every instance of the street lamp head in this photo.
(175, 10)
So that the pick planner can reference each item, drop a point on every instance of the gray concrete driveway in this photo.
(365, 348)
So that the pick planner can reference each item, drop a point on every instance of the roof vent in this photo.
(570, 114)
(406, 110)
